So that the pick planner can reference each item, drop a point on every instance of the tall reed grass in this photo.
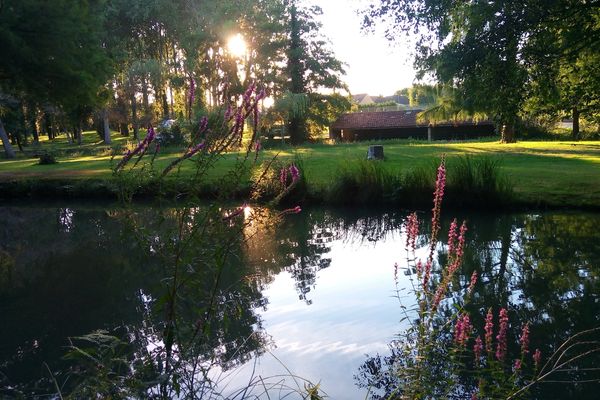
(472, 181)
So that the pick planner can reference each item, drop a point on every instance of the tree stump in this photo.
(375, 153)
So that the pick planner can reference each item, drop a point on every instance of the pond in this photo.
(316, 296)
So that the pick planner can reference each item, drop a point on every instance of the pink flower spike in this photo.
(489, 330)
(537, 356)
(452, 236)
(524, 339)
(473, 282)
(477, 349)
(294, 172)
(501, 347)
(283, 176)
(517, 366)
(412, 231)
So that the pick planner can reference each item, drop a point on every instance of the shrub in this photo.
(47, 159)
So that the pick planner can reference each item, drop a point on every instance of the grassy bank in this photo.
(555, 174)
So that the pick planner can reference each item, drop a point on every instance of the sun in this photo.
(237, 46)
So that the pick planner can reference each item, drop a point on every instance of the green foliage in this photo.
(363, 182)
(478, 180)
(47, 158)
(495, 54)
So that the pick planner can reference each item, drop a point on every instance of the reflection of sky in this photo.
(354, 312)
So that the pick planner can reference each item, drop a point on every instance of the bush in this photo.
(170, 133)
(47, 159)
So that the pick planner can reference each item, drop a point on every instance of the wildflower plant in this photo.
(445, 353)
(185, 334)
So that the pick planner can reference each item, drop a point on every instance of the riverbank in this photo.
(543, 174)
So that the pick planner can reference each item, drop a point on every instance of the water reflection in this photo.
(317, 291)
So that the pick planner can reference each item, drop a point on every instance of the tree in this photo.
(481, 48)
(564, 72)
(56, 53)
(311, 66)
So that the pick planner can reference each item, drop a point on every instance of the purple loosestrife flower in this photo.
(426, 275)
(462, 330)
(140, 148)
(412, 231)
(489, 330)
(438, 195)
(295, 210)
(537, 356)
(452, 236)
(501, 337)
(283, 177)
(477, 349)
(524, 339)
(517, 365)
(294, 172)
(473, 282)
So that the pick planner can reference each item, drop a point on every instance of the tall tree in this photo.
(55, 52)
(481, 48)
(311, 68)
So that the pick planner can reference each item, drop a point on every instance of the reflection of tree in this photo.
(545, 269)
(69, 272)
(300, 246)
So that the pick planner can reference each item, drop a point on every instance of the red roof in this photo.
(388, 120)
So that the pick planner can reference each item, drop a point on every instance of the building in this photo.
(362, 99)
(403, 124)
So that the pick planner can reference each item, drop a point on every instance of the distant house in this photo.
(362, 99)
(403, 124)
(398, 99)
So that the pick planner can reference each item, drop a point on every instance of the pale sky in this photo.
(374, 65)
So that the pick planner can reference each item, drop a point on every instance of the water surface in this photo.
(313, 296)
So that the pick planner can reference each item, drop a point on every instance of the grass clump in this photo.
(362, 182)
(478, 181)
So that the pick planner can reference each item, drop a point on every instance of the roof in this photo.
(362, 98)
(398, 99)
(389, 120)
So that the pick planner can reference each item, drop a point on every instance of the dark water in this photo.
(312, 296)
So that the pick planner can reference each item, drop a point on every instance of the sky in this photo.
(374, 65)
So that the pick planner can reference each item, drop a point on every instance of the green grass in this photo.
(557, 173)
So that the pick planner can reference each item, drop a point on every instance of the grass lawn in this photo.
(557, 173)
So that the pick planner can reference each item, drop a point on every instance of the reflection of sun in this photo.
(237, 46)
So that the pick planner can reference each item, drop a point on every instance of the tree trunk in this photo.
(106, 127)
(575, 132)
(8, 150)
(508, 133)
(79, 133)
(134, 118)
(145, 101)
(31, 117)
(165, 104)
(124, 129)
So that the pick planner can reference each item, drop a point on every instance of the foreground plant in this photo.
(185, 338)
(444, 353)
